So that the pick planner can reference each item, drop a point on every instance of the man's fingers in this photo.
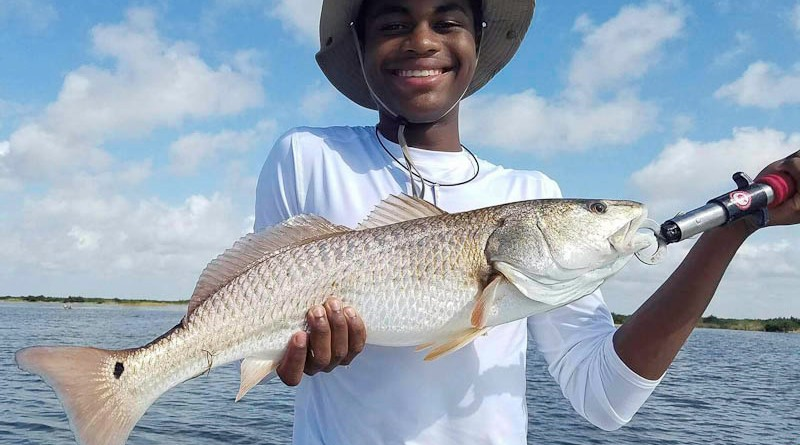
(319, 350)
(788, 212)
(338, 325)
(356, 335)
(290, 369)
(336, 335)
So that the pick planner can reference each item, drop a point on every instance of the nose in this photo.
(422, 40)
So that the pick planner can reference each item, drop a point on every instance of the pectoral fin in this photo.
(452, 344)
(484, 302)
(253, 371)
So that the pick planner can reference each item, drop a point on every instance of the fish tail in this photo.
(102, 405)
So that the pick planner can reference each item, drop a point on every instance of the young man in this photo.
(413, 61)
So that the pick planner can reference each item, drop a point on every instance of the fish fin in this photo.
(455, 343)
(91, 383)
(253, 248)
(484, 302)
(253, 371)
(424, 346)
(399, 208)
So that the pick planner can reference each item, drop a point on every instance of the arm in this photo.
(336, 333)
(576, 342)
(606, 374)
(652, 337)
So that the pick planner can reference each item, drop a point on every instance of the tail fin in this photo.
(101, 403)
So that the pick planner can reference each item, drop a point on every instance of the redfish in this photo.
(417, 276)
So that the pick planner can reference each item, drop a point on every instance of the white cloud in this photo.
(36, 152)
(723, 6)
(317, 99)
(37, 15)
(583, 24)
(135, 172)
(795, 18)
(763, 85)
(527, 122)
(10, 109)
(299, 16)
(743, 44)
(153, 83)
(78, 223)
(86, 234)
(682, 124)
(190, 151)
(84, 239)
(688, 173)
(600, 105)
(623, 48)
(761, 280)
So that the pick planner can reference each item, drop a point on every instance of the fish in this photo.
(417, 275)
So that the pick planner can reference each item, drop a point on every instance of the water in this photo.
(727, 387)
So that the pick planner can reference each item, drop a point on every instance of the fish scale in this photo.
(416, 275)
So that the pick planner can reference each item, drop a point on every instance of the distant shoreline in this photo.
(781, 324)
(86, 300)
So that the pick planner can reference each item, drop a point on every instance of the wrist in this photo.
(734, 233)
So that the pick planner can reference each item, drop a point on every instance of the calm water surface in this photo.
(726, 387)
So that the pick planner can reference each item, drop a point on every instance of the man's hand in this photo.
(789, 212)
(337, 336)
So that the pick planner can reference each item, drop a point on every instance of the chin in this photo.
(423, 112)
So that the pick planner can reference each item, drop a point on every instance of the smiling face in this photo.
(419, 56)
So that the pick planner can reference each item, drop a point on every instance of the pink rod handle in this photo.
(782, 185)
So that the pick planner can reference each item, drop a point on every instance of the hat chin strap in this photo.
(417, 191)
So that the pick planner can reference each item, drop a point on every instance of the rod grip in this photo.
(782, 185)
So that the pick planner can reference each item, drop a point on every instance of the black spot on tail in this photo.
(119, 368)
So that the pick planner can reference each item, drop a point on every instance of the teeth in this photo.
(418, 73)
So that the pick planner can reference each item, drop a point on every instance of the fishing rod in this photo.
(749, 198)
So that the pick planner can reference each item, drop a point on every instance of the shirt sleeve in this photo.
(577, 343)
(278, 193)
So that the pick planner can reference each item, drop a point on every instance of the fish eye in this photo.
(598, 207)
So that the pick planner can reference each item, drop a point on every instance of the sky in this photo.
(132, 134)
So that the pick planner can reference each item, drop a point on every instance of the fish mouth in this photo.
(628, 239)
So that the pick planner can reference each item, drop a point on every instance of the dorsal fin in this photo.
(251, 248)
(399, 208)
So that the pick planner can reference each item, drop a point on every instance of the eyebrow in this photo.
(398, 9)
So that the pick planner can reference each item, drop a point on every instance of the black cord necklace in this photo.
(427, 181)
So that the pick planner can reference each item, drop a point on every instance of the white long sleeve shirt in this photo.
(477, 394)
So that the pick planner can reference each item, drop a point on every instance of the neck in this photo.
(441, 135)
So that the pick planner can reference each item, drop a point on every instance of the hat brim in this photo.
(507, 22)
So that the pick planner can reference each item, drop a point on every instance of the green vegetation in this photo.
(782, 325)
(791, 324)
(72, 299)
(619, 318)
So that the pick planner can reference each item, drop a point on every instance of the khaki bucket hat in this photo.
(507, 21)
